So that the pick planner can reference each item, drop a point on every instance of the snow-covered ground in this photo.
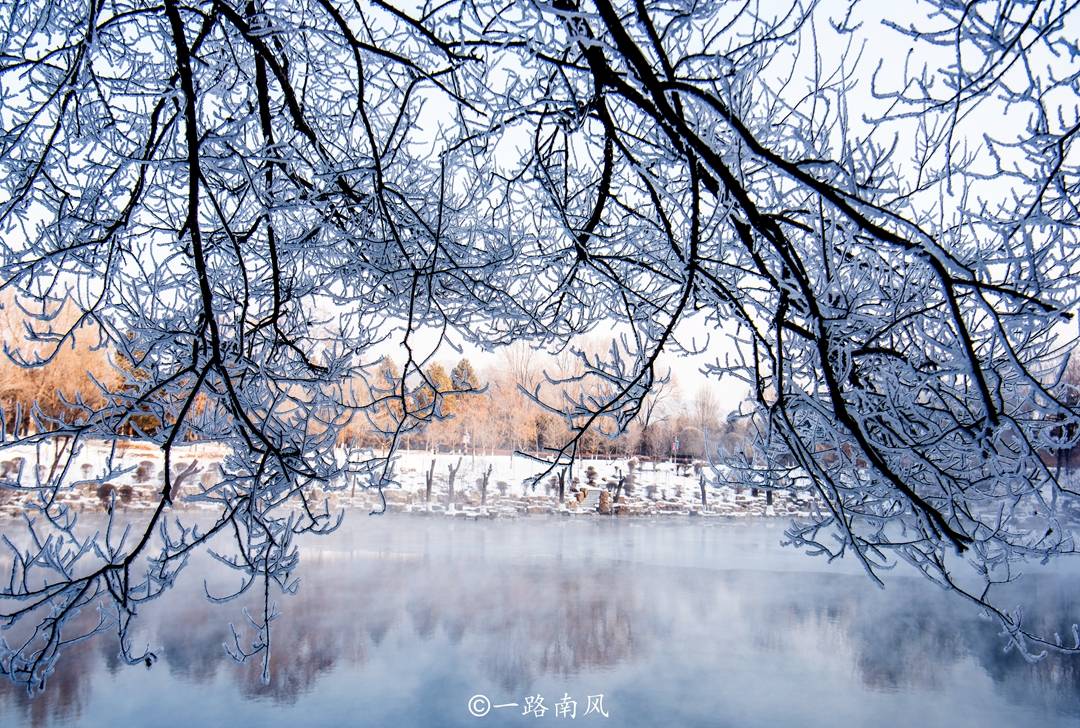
(649, 488)
(593, 487)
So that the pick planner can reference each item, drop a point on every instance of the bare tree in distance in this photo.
(247, 200)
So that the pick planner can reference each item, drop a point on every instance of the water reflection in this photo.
(706, 625)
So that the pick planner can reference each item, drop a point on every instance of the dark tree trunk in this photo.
(484, 485)
(430, 477)
(453, 471)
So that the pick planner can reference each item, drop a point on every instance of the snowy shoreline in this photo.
(457, 485)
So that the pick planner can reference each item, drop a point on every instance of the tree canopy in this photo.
(876, 201)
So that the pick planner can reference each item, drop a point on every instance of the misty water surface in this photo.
(400, 620)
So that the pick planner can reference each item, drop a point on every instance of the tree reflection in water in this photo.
(528, 602)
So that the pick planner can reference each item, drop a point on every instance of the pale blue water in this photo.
(677, 623)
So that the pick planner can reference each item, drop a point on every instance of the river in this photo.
(401, 621)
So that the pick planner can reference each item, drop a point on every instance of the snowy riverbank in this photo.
(462, 485)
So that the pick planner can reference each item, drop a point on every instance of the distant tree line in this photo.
(484, 410)
(460, 407)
